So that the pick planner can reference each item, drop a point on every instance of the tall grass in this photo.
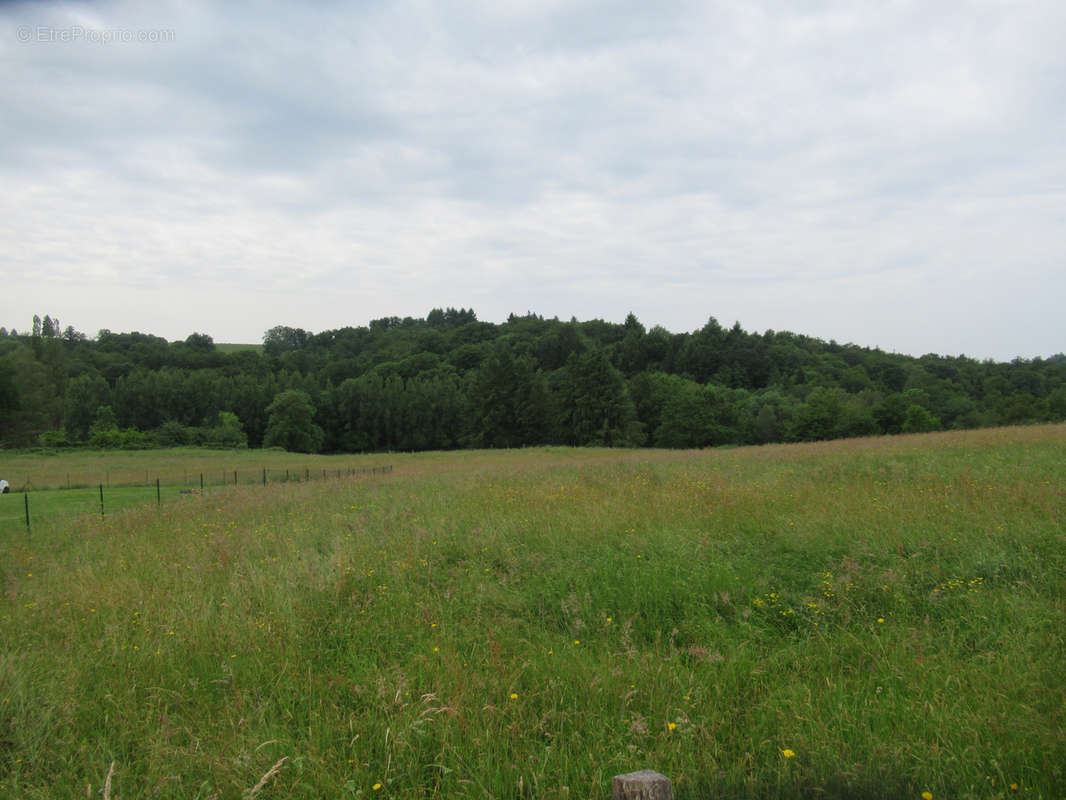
(871, 618)
(62, 469)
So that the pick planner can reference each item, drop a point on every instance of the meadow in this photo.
(866, 618)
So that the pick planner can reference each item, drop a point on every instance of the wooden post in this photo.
(158, 495)
(26, 497)
(644, 785)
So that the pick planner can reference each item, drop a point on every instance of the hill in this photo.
(451, 381)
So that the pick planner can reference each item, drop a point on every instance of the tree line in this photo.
(451, 381)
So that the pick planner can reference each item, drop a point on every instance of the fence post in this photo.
(201, 483)
(101, 499)
(26, 497)
(158, 494)
(264, 476)
(644, 785)
(234, 477)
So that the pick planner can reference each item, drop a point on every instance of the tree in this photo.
(291, 425)
(226, 432)
(200, 341)
(596, 406)
(918, 420)
(699, 416)
(283, 339)
(85, 394)
(766, 424)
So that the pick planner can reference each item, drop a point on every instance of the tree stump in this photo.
(644, 785)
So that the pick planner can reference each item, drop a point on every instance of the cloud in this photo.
(868, 172)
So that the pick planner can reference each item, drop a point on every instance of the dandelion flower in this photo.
(927, 796)
(880, 620)
(376, 786)
(671, 725)
(514, 695)
(788, 753)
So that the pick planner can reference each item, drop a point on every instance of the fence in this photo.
(128, 494)
(186, 477)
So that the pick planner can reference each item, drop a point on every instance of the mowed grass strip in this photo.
(873, 618)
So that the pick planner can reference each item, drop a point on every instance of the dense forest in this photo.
(451, 381)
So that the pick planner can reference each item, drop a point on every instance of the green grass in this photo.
(180, 467)
(66, 503)
(230, 347)
(530, 623)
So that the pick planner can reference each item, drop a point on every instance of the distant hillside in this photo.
(227, 347)
(452, 381)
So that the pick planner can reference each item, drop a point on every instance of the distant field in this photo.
(228, 347)
(871, 618)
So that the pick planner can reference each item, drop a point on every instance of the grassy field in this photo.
(858, 619)
(178, 467)
(232, 347)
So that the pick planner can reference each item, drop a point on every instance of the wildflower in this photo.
(788, 753)
(514, 695)
(436, 649)
(1014, 787)
(577, 641)
(671, 725)
(927, 796)
(880, 620)
(376, 786)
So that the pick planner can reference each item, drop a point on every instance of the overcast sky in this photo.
(886, 173)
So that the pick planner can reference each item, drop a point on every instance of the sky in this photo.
(887, 173)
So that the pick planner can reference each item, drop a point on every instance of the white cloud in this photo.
(883, 173)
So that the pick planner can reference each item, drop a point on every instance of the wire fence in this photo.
(80, 497)
(214, 476)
